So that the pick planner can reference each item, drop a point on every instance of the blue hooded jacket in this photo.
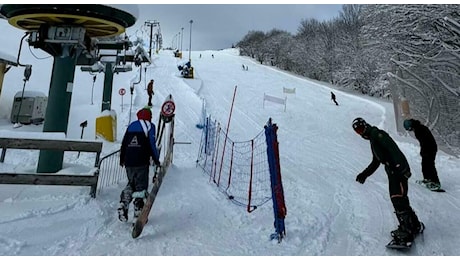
(139, 144)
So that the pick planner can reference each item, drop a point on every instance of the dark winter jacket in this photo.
(385, 151)
(150, 88)
(138, 145)
(425, 138)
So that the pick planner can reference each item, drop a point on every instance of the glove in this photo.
(361, 178)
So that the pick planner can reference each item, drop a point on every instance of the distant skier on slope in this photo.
(333, 98)
(150, 92)
(386, 151)
(137, 147)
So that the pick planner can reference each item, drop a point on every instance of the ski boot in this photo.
(122, 212)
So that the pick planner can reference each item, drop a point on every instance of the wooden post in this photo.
(405, 108)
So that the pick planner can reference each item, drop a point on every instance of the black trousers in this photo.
(428, 169)
(150, 100)
(408, 220)
(138, 180)
(398, 187)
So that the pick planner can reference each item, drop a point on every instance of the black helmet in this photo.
(359, 125)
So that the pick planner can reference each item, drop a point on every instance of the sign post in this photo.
(167, 109)
(122, 92)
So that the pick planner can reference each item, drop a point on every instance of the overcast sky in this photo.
(218, 26)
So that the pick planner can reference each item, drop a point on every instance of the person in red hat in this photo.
(137, 147)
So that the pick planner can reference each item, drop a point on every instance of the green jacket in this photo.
(385, 151)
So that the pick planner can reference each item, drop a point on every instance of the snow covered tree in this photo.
(308, 36)
(423, 41)
(250, 45)
(276, 46)
(412, 49)
(358, 68)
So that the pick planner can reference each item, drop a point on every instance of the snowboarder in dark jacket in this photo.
(385, 151)
(428, 150)
(137, 147)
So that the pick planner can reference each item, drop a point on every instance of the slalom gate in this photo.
(249, 172)
(289, 90)
(277, 100)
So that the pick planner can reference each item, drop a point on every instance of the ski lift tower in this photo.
(113, 57)
(68, 33)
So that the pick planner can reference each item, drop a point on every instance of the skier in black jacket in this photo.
(137, 147)
(428, 150)
(386, 151)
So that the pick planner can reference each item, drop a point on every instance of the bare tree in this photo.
(412, 49)
(423, 41)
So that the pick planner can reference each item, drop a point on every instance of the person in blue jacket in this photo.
(137, 147)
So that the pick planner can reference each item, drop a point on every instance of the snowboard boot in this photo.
(123, 212)
(126, 195)
(139, 197)
(424, 181)
(415, 225)
(433, 186)
(409, 226)
(401, 238)
(138, 205)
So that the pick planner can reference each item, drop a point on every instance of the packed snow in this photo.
(328, 212)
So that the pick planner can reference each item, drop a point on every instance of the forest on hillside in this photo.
(407, 52)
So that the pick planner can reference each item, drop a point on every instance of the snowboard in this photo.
(394, 245)
(138, 226)
(424, 184)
